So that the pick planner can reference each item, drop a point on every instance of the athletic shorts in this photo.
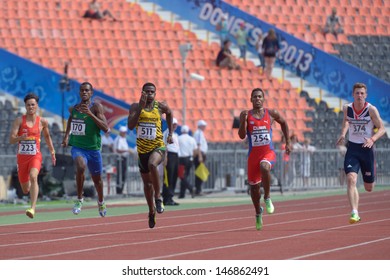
(357, 158)
(254, 161)
(93, 159)
(143, 159)
(24, 165)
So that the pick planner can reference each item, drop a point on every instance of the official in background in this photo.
(172, 165)
(188, 149)
(121, 148)
(201, 154)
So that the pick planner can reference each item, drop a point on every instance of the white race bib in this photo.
(146, 131)
(260, 139)
(77, 127)
(27, 147)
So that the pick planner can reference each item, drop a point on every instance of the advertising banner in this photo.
(18, 76)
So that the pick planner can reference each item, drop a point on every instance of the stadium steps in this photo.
(213, 41)
(118, 57)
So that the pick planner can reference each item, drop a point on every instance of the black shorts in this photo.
(143, 159)
(357, 158)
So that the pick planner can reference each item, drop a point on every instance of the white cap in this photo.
(174, 121)
(225, 16)
(123, 129)
(202, 123)
(185, 129)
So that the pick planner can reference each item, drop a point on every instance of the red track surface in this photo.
(302, 229)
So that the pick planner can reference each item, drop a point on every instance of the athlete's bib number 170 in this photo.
(78, 128)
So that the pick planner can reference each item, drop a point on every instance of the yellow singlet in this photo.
(149, 130)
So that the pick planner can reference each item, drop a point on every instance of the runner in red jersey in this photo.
(256, 125)
(26, 131)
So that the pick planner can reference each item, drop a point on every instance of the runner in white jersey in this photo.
(360, 119)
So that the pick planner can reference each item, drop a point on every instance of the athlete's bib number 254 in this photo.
(260, 139)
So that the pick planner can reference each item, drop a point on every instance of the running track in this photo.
(311, 229)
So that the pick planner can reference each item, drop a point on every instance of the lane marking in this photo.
(200, 234)
(339, 249)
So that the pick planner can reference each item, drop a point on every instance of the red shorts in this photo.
(254, 160)
(25, 164)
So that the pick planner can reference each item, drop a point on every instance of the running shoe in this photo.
(77, 206)
(159, 206)
(152, 219)
(30, 213)
(354, 218)
(102, 209)
(259, 220)
(269, 206)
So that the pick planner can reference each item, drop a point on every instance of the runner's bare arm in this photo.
(164, 109)
(243, 124)
(344, 128)
(14, 138)
(134, 112)
(284, 126)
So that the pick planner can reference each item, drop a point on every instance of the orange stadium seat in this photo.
(118, 58)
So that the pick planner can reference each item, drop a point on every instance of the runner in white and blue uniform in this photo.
(360, 119)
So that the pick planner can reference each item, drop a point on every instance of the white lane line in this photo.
(340, 249)
(144, 228)
(195, 235)
(185, 216)
(260, 241)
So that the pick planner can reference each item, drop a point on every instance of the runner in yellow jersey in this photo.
(145, 116)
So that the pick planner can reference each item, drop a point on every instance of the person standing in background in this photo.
(286, 163)
(188, 150)
(26, 131)
(270, 49)
(172, 165)
(259, 48)
(294, 159)
(307, 150)
(85, 122)
(121, 147)
(201, 154)
(241, 37)
(107, 142)
(360, 118)
(222, 28)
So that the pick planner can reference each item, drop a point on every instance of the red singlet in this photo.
(259, 132)
(29, 151)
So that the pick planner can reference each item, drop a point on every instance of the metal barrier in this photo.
(228, 171)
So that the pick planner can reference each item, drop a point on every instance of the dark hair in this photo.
(148, 85)
(87, 83)
(257, 89)
(31, 95)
